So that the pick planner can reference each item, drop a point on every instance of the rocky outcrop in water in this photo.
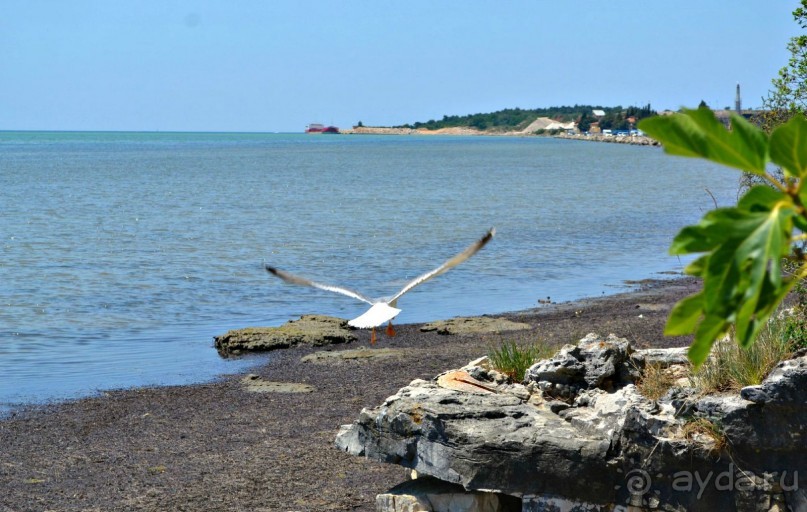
(578, 435)
(316, 330)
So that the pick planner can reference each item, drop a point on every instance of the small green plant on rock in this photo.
(514, 360)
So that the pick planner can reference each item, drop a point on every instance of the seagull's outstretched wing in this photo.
(453, 262)
(291, 278)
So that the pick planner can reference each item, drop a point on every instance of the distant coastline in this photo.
(382, 130)
(636, 140)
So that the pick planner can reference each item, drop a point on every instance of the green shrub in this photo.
(795, 329)
(739, 248)
(514, 360)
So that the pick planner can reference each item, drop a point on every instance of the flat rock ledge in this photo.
(358, 354)
(577, 435)
(474, 325)
(314, 330)
(428, 494)
(254, 384)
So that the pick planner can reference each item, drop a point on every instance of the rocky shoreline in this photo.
(633, 140)
(239, 444)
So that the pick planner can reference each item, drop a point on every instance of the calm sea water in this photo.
(123, 254)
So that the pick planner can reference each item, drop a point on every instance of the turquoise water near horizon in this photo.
(123, 253)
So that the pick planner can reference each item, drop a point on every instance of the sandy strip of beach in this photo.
(217, 446)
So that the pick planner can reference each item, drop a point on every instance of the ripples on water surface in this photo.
(124, 254)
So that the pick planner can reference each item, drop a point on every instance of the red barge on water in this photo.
(320, 128)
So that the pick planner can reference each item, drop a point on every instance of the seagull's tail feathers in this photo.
(451, 263)
(302, 281)
(379, 314)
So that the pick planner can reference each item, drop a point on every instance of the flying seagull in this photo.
(384, 309)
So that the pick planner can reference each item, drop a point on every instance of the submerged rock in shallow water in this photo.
(314, 330)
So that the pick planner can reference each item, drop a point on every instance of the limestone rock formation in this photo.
(432, 495)
(578, 435)
(592, 363)
(314, 330)
(663, 357)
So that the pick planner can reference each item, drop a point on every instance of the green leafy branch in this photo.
(741, 248)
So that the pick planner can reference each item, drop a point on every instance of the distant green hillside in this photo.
(517, 119)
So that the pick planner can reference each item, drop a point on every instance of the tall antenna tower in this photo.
(738, 104)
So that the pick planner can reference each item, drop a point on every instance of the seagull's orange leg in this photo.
(390, 330)
(372, 337)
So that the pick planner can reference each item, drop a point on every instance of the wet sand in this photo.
(217, 447)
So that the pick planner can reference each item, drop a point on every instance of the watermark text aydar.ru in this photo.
(639, 481)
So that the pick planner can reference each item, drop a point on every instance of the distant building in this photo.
(598, 113)
(724, 116)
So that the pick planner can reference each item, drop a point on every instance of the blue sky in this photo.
(276, 65)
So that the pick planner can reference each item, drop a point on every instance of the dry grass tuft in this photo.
(707, 432)
(655, 381)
